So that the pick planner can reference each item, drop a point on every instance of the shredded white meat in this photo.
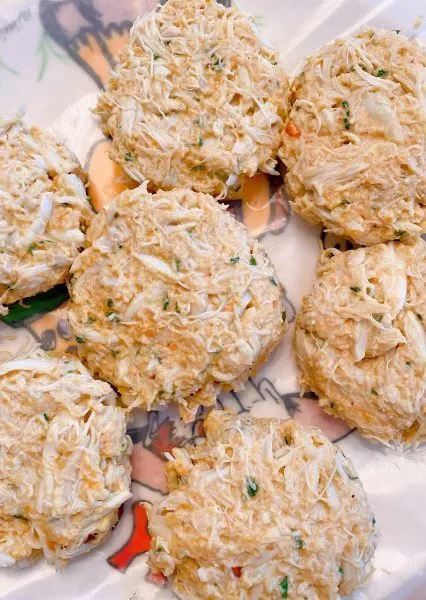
(264, 508)
(196, 100)
(173, 301)
(355, 139)
(64, 459)
(44, 212)
(360, 340)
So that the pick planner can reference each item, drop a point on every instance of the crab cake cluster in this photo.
(360, 339)
(264, 508)
(173, 301)
(44, 212)
(354, 142)
(196, 100)
(65, 466)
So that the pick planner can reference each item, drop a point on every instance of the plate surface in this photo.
(54, 56)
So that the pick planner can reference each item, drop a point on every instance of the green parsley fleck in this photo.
(374, 391)
(346, 121)
(374, 521)
(218, 65)
(80, 339)
(110, 302)
(91, 318)
(156, 56)
(355, 289)
(166, 304)
(178, 263)
(252, 487)
(46, 417)
(198, 168)
(128, 157)
(112, 316)
(299, 542)
(341, 571)
(382, 73)
(253, 261)
(167, 42)
(31, 249)
(200, 140)
(177, 309)
(399, 232)
(378, 317)
(273, 281)
(234, 259)
(283, 585)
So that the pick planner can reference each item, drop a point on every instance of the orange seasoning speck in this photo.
(292, 130)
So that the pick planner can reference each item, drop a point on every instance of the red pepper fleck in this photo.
(292, 130)
(157, 578)
(237, 571)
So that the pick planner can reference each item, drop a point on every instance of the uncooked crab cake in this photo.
(173, 301)
(65, 468)
(354, 141)
(360, 339)
(265, 508)
(196, 100)
(44, 211)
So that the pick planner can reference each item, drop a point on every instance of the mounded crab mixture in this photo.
(64, 468)
(196, 100)
(354, 141)
(44, 212)
(360, 339)
(173, 301)
(264, 508)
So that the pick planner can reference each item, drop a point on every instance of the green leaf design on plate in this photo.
(42, 303)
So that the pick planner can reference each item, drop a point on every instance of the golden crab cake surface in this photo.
(44, 212)
(264, 508)
(173, 301)
(196, 100)
(354, 141)
(65, 467)
(360, 339)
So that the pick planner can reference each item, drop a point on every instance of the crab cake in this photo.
(43, 212)
(354, 142)
(64, 467)
(360, 339)
(196, 100)
(265, 508)
(173, 301)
